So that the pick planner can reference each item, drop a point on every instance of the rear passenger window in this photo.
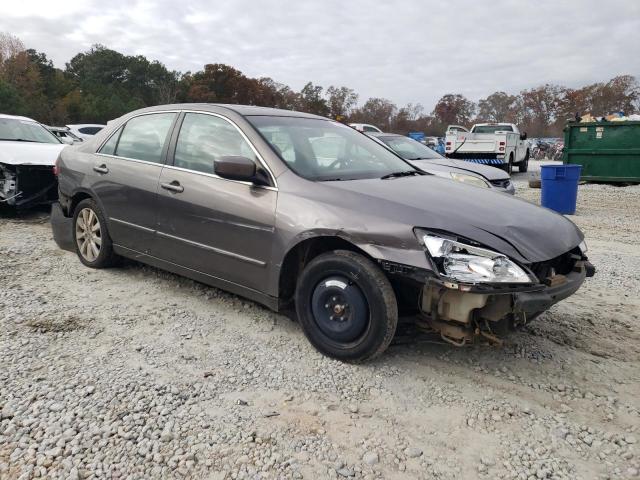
(143, 137)
(204, 138)
(109, 148)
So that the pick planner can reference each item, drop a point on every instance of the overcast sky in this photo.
(406, 51)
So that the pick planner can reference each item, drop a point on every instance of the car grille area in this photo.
(561, 265)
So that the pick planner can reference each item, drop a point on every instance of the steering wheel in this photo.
(339, 161)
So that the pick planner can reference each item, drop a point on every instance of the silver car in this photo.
(432, 162)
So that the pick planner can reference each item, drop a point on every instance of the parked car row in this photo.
(304, 214)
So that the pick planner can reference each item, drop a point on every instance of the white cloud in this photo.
(407, 51)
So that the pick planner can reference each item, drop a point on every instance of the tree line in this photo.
(101, 84)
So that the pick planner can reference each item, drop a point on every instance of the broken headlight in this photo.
(469, 263)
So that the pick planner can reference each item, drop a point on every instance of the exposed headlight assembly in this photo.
(470, 180)
(583, 247)
(471, 264)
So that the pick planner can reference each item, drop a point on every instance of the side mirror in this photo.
(523, 136)
(66, 140)
(235, 168)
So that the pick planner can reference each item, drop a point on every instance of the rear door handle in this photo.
(173, 186)
(101, 169)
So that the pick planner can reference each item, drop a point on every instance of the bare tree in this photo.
(10, 46)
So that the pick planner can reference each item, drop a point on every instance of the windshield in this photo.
(16, 129)
(492, 128)
(323, 150)
(409, 149)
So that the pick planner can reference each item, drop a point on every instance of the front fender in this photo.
(391, 250)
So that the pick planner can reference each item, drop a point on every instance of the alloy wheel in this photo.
(88, 234)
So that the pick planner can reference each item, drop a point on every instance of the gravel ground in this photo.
(135, 373)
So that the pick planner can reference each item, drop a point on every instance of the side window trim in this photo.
(170, 161)
(173, 141)
(117, 133)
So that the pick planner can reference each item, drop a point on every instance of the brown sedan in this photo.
(300, 212)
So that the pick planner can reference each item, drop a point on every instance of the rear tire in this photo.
(346, 306)
(524, 165)
(508, 167)
(90, 236)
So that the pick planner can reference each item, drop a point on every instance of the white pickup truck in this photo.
(498, 144)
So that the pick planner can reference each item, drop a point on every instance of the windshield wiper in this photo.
(17, 140)
(406, 173)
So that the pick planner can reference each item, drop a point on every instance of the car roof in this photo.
(16, 117)
(244, 110)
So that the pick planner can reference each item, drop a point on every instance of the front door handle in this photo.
(173, 186)
(101, 169)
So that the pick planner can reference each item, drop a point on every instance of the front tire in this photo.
(90, 236)
(346, 306)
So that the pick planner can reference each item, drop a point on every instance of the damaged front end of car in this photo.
(476, 294)
(25, 186)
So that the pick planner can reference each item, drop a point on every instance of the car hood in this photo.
(490, 173)
(29, 153)
(514, 227)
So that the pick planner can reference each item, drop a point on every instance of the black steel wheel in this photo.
(340, 308)
(346, 306)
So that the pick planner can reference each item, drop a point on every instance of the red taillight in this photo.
(448, 144)
(501, 144)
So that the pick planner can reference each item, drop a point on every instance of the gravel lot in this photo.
(135, 373)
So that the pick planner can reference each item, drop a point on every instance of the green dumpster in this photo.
(607, 151)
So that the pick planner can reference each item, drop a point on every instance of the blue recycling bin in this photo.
(560, 187)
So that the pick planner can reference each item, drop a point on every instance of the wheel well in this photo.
(300, 255)
(76, 199)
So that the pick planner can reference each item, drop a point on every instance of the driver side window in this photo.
(205, 138)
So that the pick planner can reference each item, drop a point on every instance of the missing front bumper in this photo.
(26, 186)
(465, 315)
